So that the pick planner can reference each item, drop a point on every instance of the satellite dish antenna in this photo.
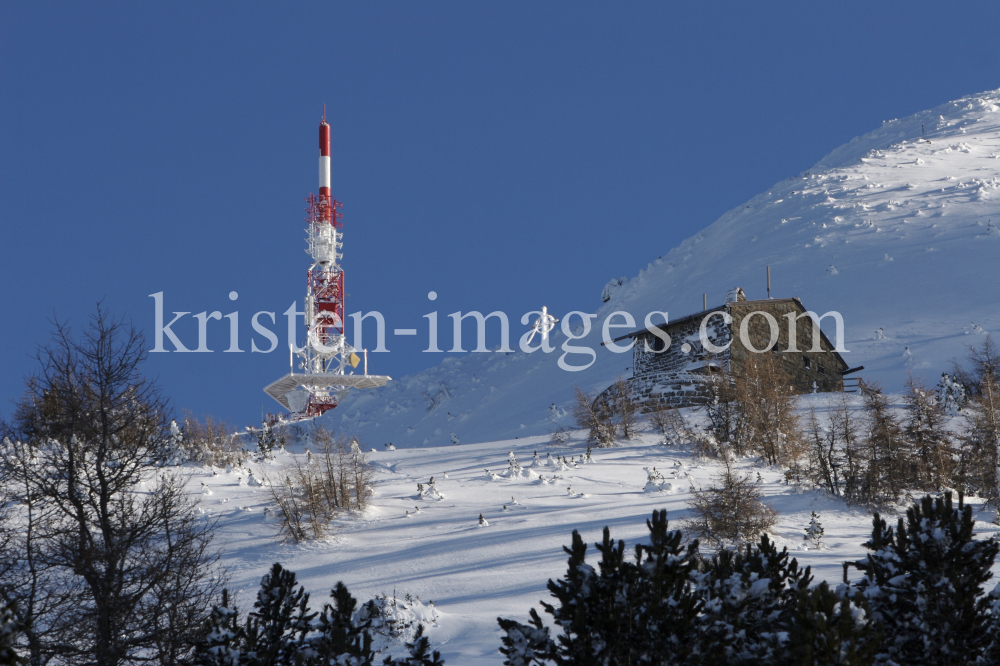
(543, 325)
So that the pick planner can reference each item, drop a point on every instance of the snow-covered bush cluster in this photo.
(310, 494)
(282, 629)
(393, 621)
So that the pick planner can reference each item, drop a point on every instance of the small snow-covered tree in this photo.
(175, 451)
(280, 620)
(951, 395)
(814, 531)
(730, 511)
(266, 441)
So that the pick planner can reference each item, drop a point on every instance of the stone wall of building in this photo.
(821, 370)
(678, 378)
(674, 358)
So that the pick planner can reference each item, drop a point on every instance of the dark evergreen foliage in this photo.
(280, 620)
(746, 592)
(920, 602)
(10, 627)
(924, 583)
(829, 628)
(282, 631)
(339, 634)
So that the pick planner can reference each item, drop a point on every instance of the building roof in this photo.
(697, 315)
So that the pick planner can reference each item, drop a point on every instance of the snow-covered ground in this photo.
(472, 573)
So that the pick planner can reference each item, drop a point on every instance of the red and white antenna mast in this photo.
(327, 361)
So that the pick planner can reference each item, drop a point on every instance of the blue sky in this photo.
(505, 155)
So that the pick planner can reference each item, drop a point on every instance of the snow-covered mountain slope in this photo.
(472, 573)
(897, 230)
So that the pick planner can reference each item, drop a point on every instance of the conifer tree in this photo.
(266, 441)
(669, 607)
(927, 437)
(224, 637)
(340, 638)
(887, 470)
(745, 593)
(830, 628)
(814, 531)
(627, 612)
(280, 620)
(950, 395)
(924, 582)
(10, 627)
(981, 441)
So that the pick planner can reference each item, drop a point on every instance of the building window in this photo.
(822, 370)
(657, 344)
(805, 361)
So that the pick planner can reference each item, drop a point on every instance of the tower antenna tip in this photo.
(324, 113)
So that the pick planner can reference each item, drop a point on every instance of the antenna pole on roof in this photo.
(704, 301)
(769, 282)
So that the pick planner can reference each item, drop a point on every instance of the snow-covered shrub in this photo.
(310, 494)
(207, 441)
(429, 491)
(669, 422)
(731, 511)
(392, 621)
(282, 629)
(654, 480)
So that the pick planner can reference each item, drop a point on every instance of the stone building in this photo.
(676, 370)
